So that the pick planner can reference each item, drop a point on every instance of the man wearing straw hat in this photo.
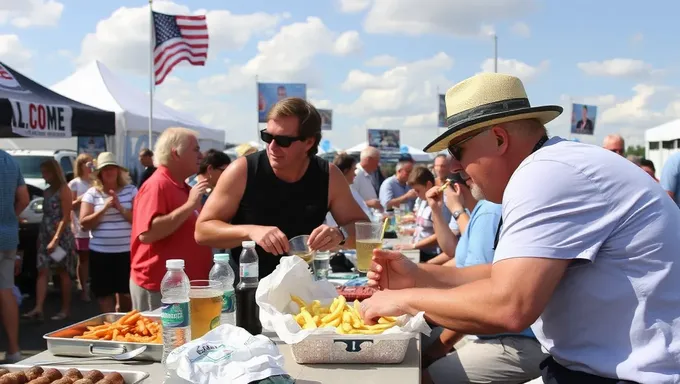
(586, 254)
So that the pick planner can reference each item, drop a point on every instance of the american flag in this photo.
(178, 38)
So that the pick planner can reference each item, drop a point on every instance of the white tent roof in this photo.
(664, 132)
(98, 86)
(415, 153)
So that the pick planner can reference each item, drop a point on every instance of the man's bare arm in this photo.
(439, 276)
(213, 227)
(344, 208)
(21, 199)
(440, 259)
(501, 303)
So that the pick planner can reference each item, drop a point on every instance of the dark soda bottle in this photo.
(247, 312)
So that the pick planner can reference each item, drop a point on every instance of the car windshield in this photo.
(30, 165)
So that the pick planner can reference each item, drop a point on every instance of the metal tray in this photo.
(62, 343)
(131, 377)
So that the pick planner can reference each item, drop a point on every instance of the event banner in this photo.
(384, 139)
(326, 119)
(92, 145)
(583, 119)
(269, 94)
(442, 111)
(40, 120)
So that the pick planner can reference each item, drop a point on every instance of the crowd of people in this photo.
(539, 257)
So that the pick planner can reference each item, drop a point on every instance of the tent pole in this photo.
(257, 111)
(152, 76)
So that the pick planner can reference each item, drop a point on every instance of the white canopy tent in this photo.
(416, 154)
(661, 142)
(98, 86)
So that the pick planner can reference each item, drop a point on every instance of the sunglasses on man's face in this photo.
(281, 141)
(456, 151)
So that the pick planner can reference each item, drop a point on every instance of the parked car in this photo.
(29, 161)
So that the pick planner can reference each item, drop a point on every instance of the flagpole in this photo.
(495, 53)
(152, 76)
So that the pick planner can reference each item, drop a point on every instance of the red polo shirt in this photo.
(158, 196)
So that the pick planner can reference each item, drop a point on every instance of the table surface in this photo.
(406, 372)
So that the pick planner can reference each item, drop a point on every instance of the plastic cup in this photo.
(368, 238)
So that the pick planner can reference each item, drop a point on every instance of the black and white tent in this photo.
(27, 109)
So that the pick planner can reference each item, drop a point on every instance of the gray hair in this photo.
(613, 137)
(369, 153)
(401, 164)
(175, 138)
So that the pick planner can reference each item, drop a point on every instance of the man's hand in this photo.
(271, 239)
(391, 270)
(454, 198)
(197, 192)
(411, 194)
(375, 204)
(324, 238)
(382, 303)
(404, 247)
(435, 198)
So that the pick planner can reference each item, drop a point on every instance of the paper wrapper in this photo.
(292, 277)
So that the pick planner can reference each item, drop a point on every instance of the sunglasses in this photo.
(281, 141)
(456, 151)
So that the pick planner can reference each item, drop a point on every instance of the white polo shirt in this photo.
(363, 184)
(616, 311)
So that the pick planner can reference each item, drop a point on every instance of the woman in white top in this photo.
(348, 165)
(106, 210)
(79, 185)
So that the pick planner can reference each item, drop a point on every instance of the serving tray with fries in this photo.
(109, 334)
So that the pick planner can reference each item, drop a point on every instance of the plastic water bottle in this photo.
(175, 315)
(223, 273)
(248, 313)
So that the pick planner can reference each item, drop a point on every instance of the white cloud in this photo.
(122, 40)
(14, 53)
(287, 56)
(524, 71)
(453, 17)
(521, 29)
(352, 6)
(30, 13)
(402, 97)
(382, 61)
(617, 68)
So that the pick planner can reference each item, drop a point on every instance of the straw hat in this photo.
(484, 100)
(245, 149)
(107, 158)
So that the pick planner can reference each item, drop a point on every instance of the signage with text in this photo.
(40, 120)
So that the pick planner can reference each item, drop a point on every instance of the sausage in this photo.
(115, 378)
(74, 374)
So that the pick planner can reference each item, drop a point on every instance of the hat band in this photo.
(487, 109)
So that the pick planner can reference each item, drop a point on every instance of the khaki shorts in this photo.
(508, 359)
(7, 261)
(144, 300)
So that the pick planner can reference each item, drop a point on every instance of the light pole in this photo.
(495, 53)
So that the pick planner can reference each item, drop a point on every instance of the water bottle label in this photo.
(175, 315)
(228, 303)
(249, 270)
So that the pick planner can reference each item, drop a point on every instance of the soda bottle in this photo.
(175, 317)
(223, 273)
(248, 313)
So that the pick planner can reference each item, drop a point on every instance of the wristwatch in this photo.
(344, 235)
(457, 214)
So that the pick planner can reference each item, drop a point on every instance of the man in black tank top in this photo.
(284, 191)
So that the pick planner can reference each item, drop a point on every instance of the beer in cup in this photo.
(368, 238)
(205, 306)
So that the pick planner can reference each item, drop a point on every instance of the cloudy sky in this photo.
(376, 63)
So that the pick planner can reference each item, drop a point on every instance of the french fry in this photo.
(132, 327)
(341, 315)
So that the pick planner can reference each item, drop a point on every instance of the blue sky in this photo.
(615, 54)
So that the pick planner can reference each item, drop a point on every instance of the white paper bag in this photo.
(292, 277)
(226, 354)
(58, 254)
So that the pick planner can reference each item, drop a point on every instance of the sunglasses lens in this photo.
(283, 141)
(455, 152)
(266, 137)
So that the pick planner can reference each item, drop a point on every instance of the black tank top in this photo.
(295, 208)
